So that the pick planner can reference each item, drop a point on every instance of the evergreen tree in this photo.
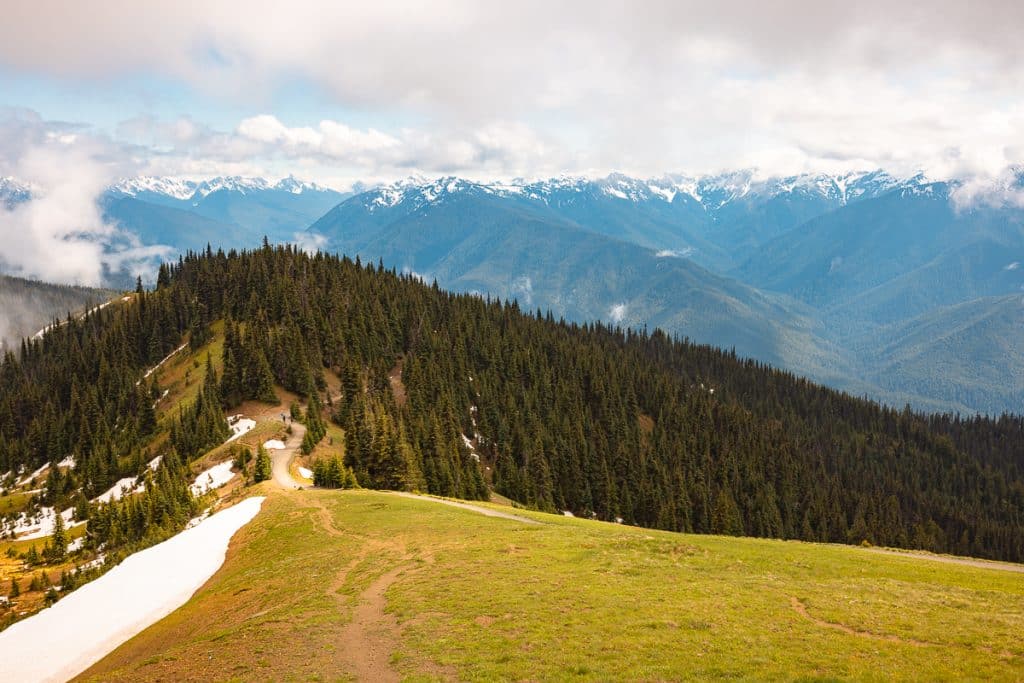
(59, 541)
(264, 468)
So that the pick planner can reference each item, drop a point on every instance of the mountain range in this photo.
(816, 274)
(835, 277)
(229, 211)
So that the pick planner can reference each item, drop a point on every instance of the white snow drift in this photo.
(212, 478)
(123, 487)
(40, 525)
(274, 445)
(240, 425)
(65, 639)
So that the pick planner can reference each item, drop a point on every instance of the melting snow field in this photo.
(274, 445)
(213, 478)
(305, 473)
(68, 637)
(40, 525)
(119, 490)
(239, 426)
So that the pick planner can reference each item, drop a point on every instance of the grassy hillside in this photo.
(332, 585)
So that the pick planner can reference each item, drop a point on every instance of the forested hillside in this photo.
(26, 306)
(454, 393)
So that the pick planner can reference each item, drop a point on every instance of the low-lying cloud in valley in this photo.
(59, 234)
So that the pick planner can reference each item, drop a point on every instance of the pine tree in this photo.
(263, 469)
(59, 541)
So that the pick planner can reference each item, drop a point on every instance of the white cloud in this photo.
(617, 313)
(522, 290)
(309, 242)
(59, 234)
(1002, 190)
(674, 253)
(535, 87)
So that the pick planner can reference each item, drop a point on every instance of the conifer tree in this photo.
(59, 541)
(263, 469)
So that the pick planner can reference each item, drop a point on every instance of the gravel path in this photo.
(949, 559)
(282, 458)
(469, 506)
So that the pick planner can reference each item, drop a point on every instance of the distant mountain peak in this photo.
(13, 191)
(183, 189)
(712, 192)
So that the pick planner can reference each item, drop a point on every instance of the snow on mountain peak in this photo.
(171, 187)
(13, 191)
(183, 189)
(713, 192)
(233, 184)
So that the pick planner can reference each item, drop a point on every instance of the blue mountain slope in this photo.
(880, 243)
(475, 240)
(251, 207)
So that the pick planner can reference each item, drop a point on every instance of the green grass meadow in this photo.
(481, 598)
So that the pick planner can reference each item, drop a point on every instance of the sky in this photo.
(345, 93)
(341, 93)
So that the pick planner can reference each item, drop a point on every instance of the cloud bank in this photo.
(530, 87)
(60, 235)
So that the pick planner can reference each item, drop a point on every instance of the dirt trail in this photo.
(801, 609)
(948, 559)
(372, 635)
(283, 458)
(367, 642)
(469, 506)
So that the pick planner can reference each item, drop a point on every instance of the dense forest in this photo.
(454, 394)
(26, 306)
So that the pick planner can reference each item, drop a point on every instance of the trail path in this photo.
(282, 458)
(949, 559)
(468, 506)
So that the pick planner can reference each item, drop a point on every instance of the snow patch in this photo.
(68, 461)
(123, 487)
(305, 473)
(212, 478)
(274, 445)
(40, 333)
(65, 639)
(26, 479)
(157, 366)
(40, 525)
(239, 425)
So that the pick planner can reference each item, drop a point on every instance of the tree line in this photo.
(458, 394)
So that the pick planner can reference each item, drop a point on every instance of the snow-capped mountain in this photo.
(231, 211)
(13, 191)
(182, 189)
(718, 220)
(712, 192)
